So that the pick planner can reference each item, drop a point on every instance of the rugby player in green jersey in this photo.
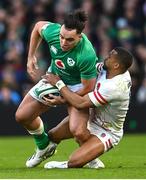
(74, 60)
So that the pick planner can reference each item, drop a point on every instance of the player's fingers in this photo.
(47, 102)
(44, 77)
(36, 66)
(44, 98)
(33, 74)
(47, 99)
(35, 63)
(52, 96)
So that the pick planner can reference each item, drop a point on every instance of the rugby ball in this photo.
(45, 89)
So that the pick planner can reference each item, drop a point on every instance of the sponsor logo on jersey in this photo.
(70, 62)
(59, 64)
(53, 49)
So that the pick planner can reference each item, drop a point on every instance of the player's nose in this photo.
(64, 42)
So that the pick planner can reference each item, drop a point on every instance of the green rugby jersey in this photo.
(73, 65)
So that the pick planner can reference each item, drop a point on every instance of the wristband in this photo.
(60, 84)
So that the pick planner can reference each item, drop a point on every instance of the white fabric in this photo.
(60, 84)
(95, 164)
(109, 139)
(38, 131)
(56, 164)
(111, 97)
(73, 88)
(99, 67)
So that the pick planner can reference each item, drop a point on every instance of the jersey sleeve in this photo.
(99, 67)
(49, 31)
(103, 94)
(88, 67)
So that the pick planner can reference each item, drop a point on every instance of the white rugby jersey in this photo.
(111, 97)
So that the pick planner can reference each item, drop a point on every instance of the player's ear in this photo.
(116, 65)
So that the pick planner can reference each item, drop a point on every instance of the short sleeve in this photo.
(88, 67)
(106, 93)
(99, 67)
(50, 30)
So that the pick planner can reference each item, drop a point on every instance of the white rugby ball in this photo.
(45, 89)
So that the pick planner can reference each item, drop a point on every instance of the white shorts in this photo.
(109, 139)
(73, 88)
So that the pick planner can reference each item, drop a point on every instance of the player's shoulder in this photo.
(49, 24)
(108, 84)
(86, 43)
(50, 27)
(86, 49)
(123, 77)
(123, 82)
(50, 31)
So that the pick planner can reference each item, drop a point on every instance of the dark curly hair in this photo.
(124, 57)
(75, 20)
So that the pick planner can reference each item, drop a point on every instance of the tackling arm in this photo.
(88, 86)
(75, 100)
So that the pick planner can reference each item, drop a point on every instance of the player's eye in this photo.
(61, 37)
(70, 39)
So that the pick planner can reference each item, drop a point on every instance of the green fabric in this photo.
(73, 65)
(42, 140)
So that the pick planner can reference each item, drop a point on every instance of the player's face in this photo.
(110, 61)
(68, 38)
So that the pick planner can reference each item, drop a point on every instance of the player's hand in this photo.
(53, 100)
(51, 78)
(32, 67)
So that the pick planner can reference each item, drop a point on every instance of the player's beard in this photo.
(104, 66)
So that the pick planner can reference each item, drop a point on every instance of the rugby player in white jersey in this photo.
(109, 104)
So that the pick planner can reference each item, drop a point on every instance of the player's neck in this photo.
(112, 74)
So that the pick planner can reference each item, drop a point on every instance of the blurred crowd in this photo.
(111, 23)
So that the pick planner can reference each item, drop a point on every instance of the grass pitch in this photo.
(127, 160)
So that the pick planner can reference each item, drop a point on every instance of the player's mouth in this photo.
(65, 48)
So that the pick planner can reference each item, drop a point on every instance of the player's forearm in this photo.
(35, 41)
(73, 98)
(83, 91)
(88, 86)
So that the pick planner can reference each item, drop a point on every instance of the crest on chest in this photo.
(59, 64)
